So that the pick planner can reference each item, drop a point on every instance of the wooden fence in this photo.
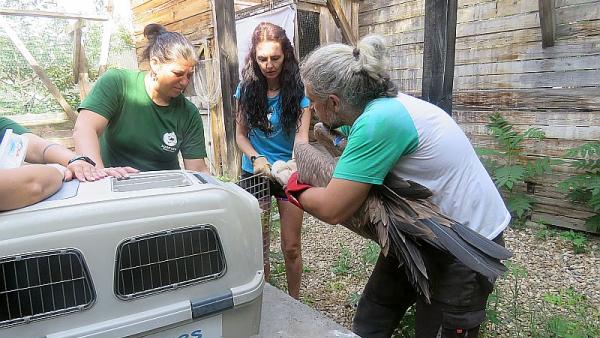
(502, 67)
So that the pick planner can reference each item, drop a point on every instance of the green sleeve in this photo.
(6, 123)
(375, 145)
(106, 98)
(193, 146)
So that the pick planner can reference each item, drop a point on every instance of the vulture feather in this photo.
(401, 218)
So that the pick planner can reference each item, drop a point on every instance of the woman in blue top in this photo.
(272, 116)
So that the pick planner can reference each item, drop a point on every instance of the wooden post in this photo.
(438, 52)
(106, 33)
(340, 19)
(80, 67)
(547, 18)
(38, 70)
(226, 52)
(77, 48)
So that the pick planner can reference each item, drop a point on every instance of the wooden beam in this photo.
(226, 52)
(37, 69)
(27, 12)
(83, 78)
(438, 52)
(340, 20)
(547, 22)
(106, 33)
(77, 48)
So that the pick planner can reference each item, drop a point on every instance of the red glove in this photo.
(293, 189)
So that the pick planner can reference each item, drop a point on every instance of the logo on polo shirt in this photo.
(170, 141)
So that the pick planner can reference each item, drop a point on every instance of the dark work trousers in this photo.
(458, 300)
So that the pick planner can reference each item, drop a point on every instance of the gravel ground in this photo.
(546, 279)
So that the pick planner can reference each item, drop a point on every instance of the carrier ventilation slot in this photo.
(146, 181)
(42, 285)
(168, 260)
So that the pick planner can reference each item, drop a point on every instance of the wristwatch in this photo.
(82, 158)
(253, 158)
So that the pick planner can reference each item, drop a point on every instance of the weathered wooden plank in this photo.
(561, 221)
(526, 51)
(393, 13)
(560, 64)
(374, 5)
(565, 3)
(581, 12)
(552, 147)
(582, 29)
(568, 79)
(171, 12)
(588, 133)
(562, 99)
(547, 22)
(500, 24)
(395, 27)
(531, 118)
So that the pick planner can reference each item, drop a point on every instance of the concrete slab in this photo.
(285, 317)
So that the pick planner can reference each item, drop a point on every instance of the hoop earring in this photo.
(153, 76)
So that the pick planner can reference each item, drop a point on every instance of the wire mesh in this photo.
(42, 285)
(259, 186)
(308, 32)
(167, 260)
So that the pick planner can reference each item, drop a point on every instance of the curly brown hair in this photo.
(253, 89)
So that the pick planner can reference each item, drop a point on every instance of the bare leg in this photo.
(291, 223)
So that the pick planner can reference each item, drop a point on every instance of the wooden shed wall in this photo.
(502, 67)
(192, 18)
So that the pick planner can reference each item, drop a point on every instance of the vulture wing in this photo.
(400, 217)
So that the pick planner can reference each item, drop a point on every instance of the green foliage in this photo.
(577, 323)
(370, 253)
(544, 234)
(584, 187)
(353, 299)
(406, 328)
(342, 264)
(509, 168)
(50, 42)
(578, 240)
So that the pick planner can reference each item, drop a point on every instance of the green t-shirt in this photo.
(6, 123)
(378, 138)
(140, 133)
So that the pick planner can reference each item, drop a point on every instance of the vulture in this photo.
(401, 218)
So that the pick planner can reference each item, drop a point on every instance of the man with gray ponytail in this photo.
(393, 133)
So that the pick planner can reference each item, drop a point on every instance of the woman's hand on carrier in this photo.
(120, 172)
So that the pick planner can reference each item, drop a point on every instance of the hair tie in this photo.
(356, 52)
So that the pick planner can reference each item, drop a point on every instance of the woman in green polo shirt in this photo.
(141, 119)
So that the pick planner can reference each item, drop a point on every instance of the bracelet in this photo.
(46, 149)
(253, 158)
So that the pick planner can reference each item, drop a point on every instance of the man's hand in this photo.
(293, 189)
(282, 171)
(262, 166)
